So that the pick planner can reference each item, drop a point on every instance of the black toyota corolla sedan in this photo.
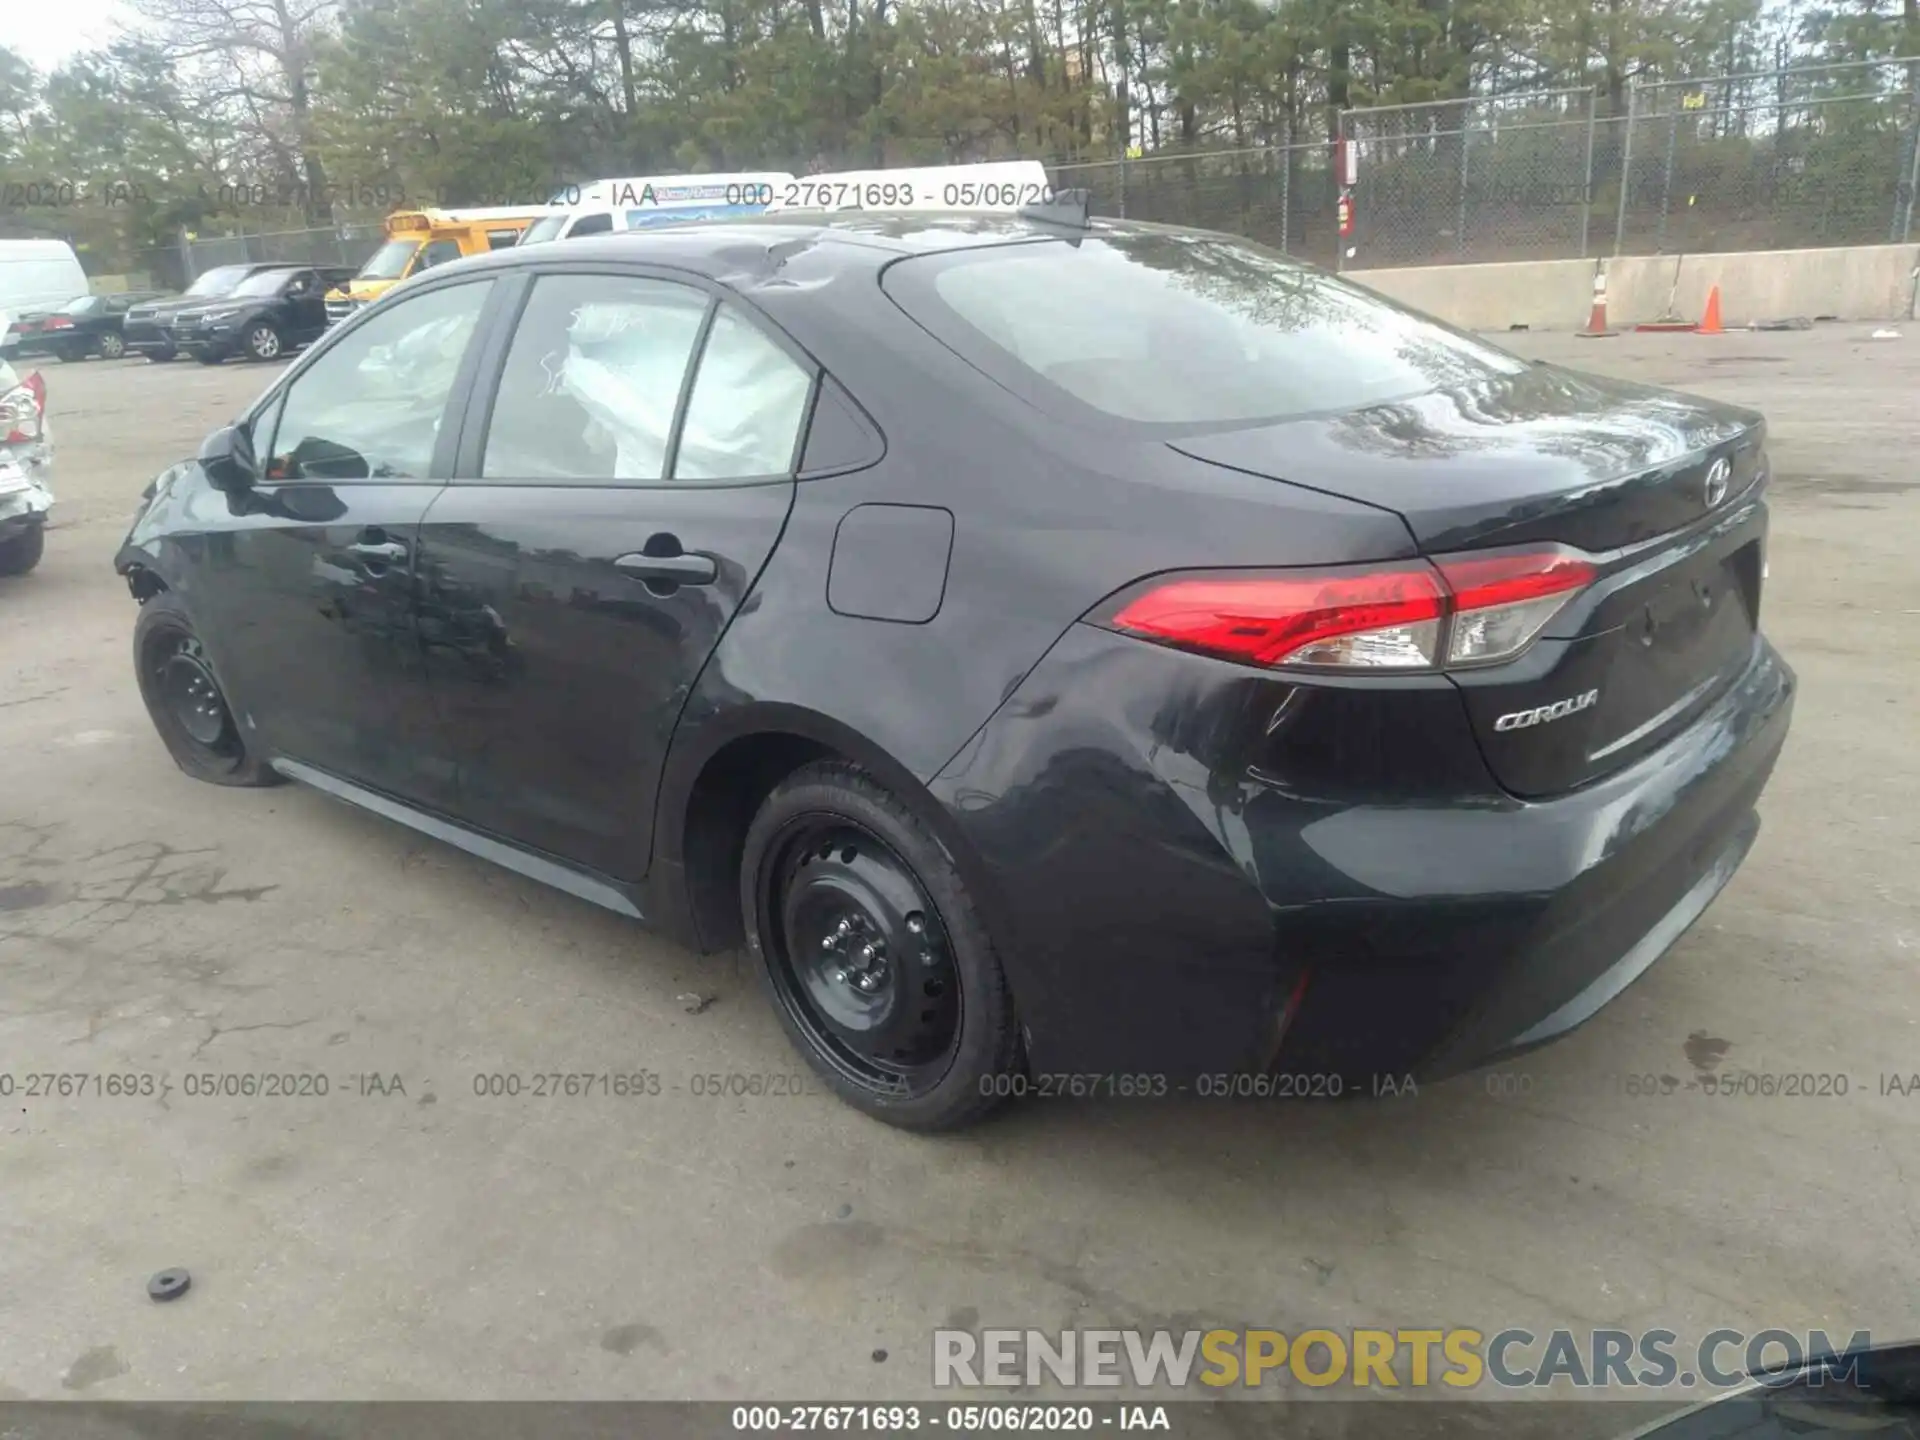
(1069, 656)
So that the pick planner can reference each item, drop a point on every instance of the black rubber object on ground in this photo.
(169, 1285)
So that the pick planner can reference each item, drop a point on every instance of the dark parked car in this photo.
(90, 325)
(152, 329)
(262, 318)
(1072, 657)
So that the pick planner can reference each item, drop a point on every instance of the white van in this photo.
(37, 275)
(640, 201)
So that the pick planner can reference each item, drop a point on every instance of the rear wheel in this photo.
(263, 342)
(184, 699)
(23, 551)
(871, 949)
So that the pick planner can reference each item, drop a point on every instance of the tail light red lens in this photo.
(1412, 615)
(1380, 618)
(59, 322)
(23, 410)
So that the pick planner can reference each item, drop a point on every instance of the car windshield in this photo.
(85, 305)
(389, 262)
(1180, 329)
(218, 281)
(545, 228)
(266, 282)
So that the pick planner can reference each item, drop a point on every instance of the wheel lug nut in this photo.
(915, 923)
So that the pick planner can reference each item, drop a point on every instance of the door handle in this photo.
(683, 569)
(387, 552)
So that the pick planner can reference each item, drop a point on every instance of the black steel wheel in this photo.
(872, 951)
(860, 955)
(185, 701)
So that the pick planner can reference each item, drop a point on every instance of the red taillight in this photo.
(23, 410)
(58, 322)
(1288, 619)
(1463, 610)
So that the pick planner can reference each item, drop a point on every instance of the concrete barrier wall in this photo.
(1540, 294)
(1858, 282)
(1862, 282)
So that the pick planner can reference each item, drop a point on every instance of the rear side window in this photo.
(592, 380)
(1169, 329)
(749, 397)
(591, 225)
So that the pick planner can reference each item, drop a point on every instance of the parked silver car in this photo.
(26, 470)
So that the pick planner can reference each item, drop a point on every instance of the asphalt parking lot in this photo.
(405, 1237)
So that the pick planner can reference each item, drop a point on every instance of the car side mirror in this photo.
(226, 458)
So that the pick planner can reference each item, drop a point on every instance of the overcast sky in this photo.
(49, 32)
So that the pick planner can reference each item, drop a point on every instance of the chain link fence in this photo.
(1781, 159)
(1508, 177)
(1778, 159)
(1280, 195)
(348, 244)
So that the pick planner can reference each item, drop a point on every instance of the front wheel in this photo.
(112, 346)
(873, 953)
(185, 701)
(263, 342)
(23, 551)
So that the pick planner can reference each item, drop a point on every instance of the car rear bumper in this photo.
(24, 508)
(1194, 868)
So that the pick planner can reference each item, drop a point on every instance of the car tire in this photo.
(263, 342)
(874, 954)
(112, 346)
(184, 699)
(23, 551)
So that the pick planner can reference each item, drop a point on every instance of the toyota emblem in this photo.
(1719, 476)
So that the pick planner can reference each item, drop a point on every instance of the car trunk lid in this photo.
(1661, 490)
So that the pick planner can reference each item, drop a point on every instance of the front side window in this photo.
(592, 380)
(1172, 329)
(437, 252)
(598, 224)
(369, 408)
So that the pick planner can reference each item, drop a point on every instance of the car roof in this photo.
(759, 243)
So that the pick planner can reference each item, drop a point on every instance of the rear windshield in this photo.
(1168, 328)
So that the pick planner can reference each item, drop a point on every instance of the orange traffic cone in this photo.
(1710, 322)
(1597, 317)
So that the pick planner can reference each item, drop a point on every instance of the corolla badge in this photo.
(1546, 714)
(1719, 477)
